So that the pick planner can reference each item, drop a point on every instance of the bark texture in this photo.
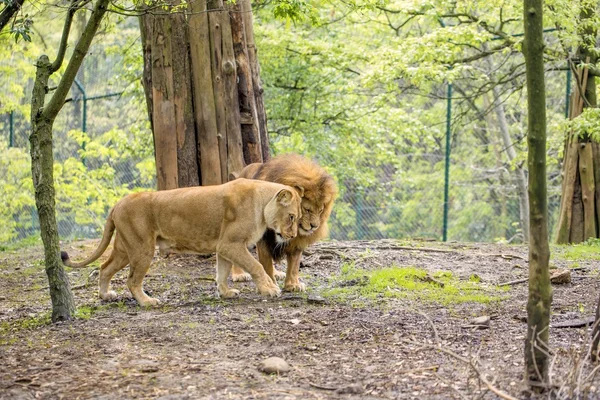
(212, 71)
(42, 159)
(540, 292)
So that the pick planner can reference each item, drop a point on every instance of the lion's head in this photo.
(316, 187)
(282, 214)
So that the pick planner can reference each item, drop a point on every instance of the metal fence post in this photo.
(447, 166)
(11, 134)
(359, 219)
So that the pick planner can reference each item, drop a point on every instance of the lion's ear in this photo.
(284, 197)
(300, 190)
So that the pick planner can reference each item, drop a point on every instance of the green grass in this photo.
(27, 323)
(588, 250)
(21, 244)
(358, 285)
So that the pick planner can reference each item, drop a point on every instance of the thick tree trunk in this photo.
(42, 160)
(219, 80)
(540, 292)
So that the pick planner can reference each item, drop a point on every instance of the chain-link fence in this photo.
(104, 150)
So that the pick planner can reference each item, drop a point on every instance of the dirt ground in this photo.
(196, 345)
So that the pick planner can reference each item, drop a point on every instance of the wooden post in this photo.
(163, 114)
(204, 101)
(247, 101)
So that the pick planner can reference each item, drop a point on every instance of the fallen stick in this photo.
(516, 282)
(574, 323)
(321, 387)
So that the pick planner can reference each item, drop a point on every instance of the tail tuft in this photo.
(64, 257)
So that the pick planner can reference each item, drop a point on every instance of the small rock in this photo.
(561, 276)
(149, 369)
(294, 321)
(482, 322)
(274, 365)
(2, 298)
(314, 299)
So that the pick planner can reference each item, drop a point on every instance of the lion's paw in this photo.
(111, 295)
(229, 293)
(149, 302)
(271, 290)
(279, 275)
(294, 287)
(243, 277)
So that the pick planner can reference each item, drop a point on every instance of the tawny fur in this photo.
(318, 191)
(225, 219)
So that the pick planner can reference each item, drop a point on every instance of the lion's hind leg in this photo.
(139, 264)
(116, 261)
(239, 275)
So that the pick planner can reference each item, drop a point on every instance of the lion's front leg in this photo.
(223, 269)
(239, 255)
(292, 278)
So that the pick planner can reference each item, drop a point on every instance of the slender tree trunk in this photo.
(42, 160)
(540, 292)
(42, 167)
(519, 171)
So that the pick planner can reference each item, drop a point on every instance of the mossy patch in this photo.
(27, 323)
(588, 250)
(357, 285)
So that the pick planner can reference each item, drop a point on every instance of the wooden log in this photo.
(576, 234)
(204, 102)
(216, 63)
(586, 173)
(569, 178)
(596, 160)
(250, 133)
(235, 149)
(163, 112)
(188, 173)
(261, 113)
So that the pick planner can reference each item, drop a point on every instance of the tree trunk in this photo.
(219, 80)
(540, 292)
(42, 160)
(42, 169)
(519, 172)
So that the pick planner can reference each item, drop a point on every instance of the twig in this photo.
(508, 256)
(516, 282)
(575, 323)
(321, 387)
(421, 369)
(435, 332)
(452, 354)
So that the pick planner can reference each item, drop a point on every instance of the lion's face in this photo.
(283, 213)
(311, 216)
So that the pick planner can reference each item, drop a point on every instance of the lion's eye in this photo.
(292, 217)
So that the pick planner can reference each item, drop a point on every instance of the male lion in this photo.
(225, 219)
(318, 191)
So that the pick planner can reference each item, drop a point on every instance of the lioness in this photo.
(225, 219)
(318, 191)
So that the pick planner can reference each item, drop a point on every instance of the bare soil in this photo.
(196, 345)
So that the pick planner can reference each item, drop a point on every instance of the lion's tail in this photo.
(109, 228)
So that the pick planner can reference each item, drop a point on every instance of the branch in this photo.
(9, 11)
(82, 47)
(60, 56)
